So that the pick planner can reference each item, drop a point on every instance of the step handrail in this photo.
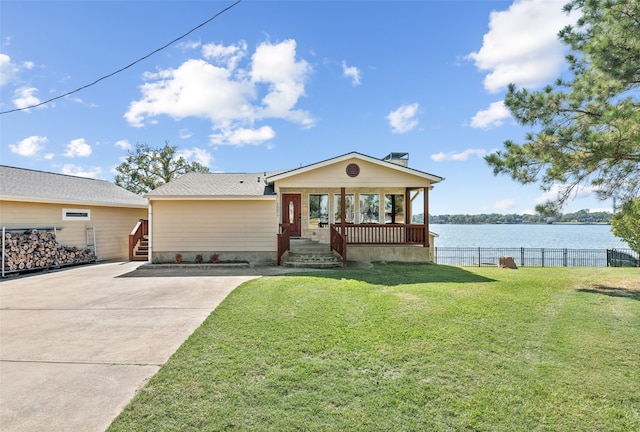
(138, 233)
(284, 241)
(339, 244)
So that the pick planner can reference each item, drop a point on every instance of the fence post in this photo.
(478, 256)
(521, 257)
(564, 257)
(542, 257)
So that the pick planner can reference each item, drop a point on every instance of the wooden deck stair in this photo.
(307, 253)
(141, 250)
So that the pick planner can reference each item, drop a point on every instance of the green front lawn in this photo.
(408, 348)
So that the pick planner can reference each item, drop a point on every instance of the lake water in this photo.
(527, 236)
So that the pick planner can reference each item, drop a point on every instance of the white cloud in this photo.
(195, 89)
(403, 119)
(188, 45)
(522, 45)
(351, 72)
(505, 204)
(8, 70)
(196, 154)
(491, 117)
(29, 146)
(275, 65)
(242, 136)
(461, 156)
(24, 97)
(123, 144)
(230, 97)
(560, 189)
(75, 170)
(229, 55)
(78, 148)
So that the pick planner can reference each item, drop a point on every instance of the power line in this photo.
(127, 66)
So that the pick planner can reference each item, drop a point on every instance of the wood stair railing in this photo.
(139, 241)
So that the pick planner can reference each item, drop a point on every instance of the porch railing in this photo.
(386, 234)
(338, 243)
(284, 242)
(139, 231)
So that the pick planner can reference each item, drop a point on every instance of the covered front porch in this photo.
(358, 203)
(357, 224)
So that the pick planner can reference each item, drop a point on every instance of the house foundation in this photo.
(390, 253)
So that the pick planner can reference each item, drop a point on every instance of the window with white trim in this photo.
(76, 214)
(318, 211)
(394, 208)
(369, 208)
(349, 208)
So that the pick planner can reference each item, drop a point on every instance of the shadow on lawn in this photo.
(612, 291)
(388, 274)
(403, 274)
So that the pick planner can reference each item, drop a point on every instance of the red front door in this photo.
(291, 213)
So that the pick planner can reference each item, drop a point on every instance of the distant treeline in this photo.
(581, 216)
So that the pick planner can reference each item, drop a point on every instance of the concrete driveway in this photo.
(76, 344)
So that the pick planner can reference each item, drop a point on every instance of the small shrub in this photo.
(179, 258)
(214, 259)
(198, 259)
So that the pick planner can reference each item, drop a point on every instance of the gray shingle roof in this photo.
(215, 184)
(29, 185)
(221, 185)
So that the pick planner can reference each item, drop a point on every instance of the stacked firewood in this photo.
(35, 249)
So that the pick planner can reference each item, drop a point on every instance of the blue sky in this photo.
(272, 85)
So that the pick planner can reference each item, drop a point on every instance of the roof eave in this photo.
(432, 178)
(40, 200)
(209, 197)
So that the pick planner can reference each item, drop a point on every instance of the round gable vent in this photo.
(353, 170)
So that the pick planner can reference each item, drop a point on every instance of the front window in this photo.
(369, 208)
(350, 209)
(318, 211)
(393, 208)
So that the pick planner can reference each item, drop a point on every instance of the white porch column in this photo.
(150, 233)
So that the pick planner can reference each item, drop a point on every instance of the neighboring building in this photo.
(360, 205)
(80, 210)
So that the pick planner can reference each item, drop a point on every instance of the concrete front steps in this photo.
(307, 253)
